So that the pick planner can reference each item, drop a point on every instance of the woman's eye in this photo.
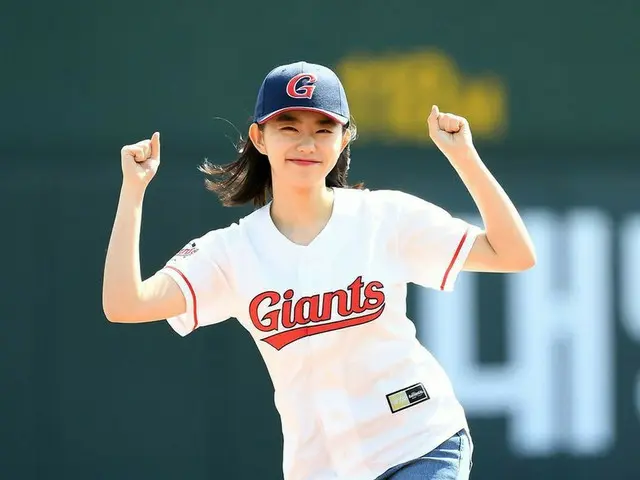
(325, 131)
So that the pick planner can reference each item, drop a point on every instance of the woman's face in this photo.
(302, 146)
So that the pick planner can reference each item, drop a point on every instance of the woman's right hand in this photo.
(140, 161)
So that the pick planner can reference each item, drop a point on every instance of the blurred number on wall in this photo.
(558, 382)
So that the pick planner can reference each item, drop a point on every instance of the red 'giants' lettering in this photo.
(360, 303)
(271, 317)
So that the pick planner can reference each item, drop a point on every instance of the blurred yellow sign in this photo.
(391, 95)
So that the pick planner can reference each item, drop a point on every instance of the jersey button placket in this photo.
(306, 285)
(313, 361)
(305, 279)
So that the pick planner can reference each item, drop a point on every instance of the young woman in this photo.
(317, 274)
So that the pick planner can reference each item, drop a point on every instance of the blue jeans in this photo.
(449, 461)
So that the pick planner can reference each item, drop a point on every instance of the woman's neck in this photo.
(301, 214)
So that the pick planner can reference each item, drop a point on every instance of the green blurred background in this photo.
(545, 362)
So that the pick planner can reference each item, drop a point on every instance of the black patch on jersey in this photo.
(407, 397)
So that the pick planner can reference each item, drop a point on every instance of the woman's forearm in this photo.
(122, 277)
(505, 229)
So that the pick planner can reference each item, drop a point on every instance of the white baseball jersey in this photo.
(355, 390)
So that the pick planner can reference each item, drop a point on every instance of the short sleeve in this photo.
(203, 272)
(432, 244)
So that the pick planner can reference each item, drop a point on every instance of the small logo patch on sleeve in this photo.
(407, 397)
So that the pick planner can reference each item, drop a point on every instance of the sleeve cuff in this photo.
(187, 322)
(459, 257)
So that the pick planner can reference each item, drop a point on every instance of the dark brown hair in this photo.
(248, 178)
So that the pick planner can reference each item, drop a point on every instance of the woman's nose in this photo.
(307, 145)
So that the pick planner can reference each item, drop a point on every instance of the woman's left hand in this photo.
(450, 133)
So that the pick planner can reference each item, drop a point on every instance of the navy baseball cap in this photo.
(301, 86)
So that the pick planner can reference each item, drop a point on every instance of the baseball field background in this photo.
(547, 363)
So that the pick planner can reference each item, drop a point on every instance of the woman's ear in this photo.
(257, 138)
(346, 138)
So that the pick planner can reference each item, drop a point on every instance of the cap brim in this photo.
(338, 118)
